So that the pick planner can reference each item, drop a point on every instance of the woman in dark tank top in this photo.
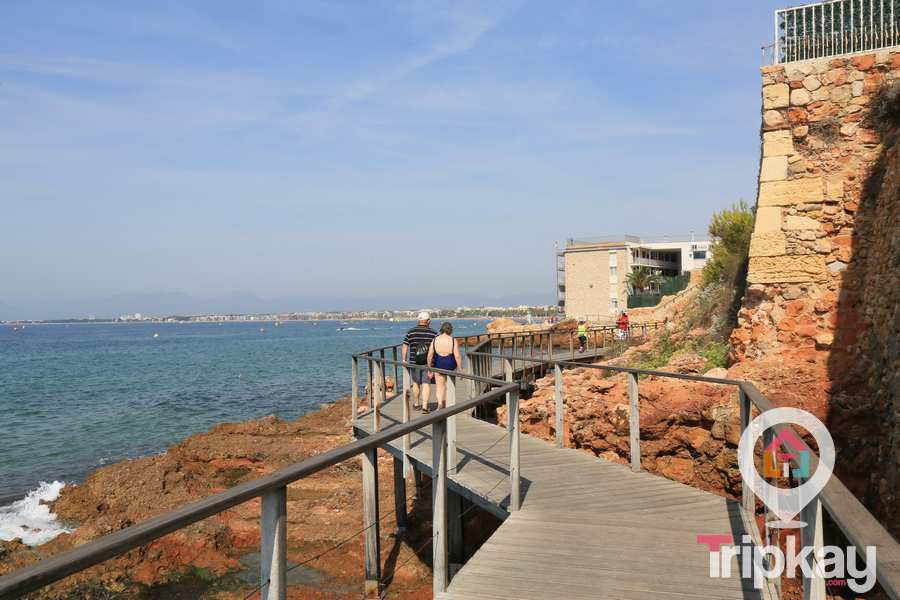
(444, 354)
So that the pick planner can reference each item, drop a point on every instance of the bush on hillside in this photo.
(725, 274)
(730, 231)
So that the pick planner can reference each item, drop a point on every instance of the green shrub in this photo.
(715, 353)
(730, 231)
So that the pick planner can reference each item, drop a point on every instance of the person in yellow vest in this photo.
(582, 335)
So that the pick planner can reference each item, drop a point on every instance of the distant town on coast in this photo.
(460, 312)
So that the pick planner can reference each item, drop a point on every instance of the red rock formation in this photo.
(689, 431)
(322, 511)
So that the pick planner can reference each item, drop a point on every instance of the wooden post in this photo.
(560, 404)
(440, 561)
(455, 533)
(377, 394)
(406, 416)
(512, 424)
(370, 521)
(354, 382)
(634, 423)
(748, 501)
(273, 545)
(451, 422)
(399, 495)
(811, 536)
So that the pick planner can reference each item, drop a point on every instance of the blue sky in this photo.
(217, 155)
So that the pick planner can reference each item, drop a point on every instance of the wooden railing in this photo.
(859, 526)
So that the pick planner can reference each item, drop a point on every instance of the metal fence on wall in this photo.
(835, 27)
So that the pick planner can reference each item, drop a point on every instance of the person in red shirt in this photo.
(623, 323)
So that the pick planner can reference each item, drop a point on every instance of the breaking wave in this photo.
(30, 519)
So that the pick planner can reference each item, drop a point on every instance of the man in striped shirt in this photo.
(415, 351)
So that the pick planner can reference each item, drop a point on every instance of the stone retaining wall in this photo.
(817, 150)
(824, 272)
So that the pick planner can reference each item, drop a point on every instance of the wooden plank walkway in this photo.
(588, 528)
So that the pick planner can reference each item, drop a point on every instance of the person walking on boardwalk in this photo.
(415, 351)
(582, 335)
(444, 354)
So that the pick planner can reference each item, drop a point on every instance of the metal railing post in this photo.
(354, 382)
(370, 522)
(512, 424)
(812, 536)
(440, 560)
(634, 423)
(396, 369)
(768, 437)
(560, 404)
(399, 494)
(450, 400)
(377, 393)
(748, 500)
(370, 392)
(273, 545)
(407, 467)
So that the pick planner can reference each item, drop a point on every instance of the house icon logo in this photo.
(786, 450)
(778, 454)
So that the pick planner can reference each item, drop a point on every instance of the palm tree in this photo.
(640, 279)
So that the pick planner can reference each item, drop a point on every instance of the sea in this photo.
(75, 397)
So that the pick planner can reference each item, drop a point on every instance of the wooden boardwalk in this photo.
(587, 528)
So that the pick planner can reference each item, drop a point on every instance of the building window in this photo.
(612, 273)
(612, 258)
(613, 306)
(699, 254)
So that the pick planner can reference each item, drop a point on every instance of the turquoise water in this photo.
(75, 397)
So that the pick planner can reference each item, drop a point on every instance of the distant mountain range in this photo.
(180, 303)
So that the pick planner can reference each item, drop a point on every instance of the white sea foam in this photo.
(30, 519)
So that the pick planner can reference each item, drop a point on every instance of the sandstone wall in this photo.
(824, 268)
(816, 154)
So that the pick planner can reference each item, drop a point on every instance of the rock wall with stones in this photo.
(824, 268)
(817, 151)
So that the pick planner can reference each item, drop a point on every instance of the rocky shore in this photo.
(218, 557)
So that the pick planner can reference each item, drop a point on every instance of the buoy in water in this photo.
(155, 335)
(262, 329)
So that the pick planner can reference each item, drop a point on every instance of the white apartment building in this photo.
(592, 274)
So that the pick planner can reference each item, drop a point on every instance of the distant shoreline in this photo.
(211, 321)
